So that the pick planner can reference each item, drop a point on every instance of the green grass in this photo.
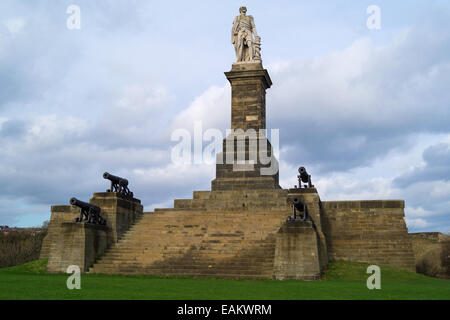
(342, 280)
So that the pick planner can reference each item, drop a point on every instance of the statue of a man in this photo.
(242, 36)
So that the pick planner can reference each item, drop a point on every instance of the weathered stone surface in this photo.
(368, 231)
(78, 244)
(234, 171)
(297, 253)
(68, 243)
(311, 198)
(59, 215)
(120, 212)
(231, 243)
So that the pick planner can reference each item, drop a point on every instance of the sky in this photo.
(365, 110)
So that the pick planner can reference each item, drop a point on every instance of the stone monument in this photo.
(246, 225)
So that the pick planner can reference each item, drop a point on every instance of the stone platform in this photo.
(217, 233)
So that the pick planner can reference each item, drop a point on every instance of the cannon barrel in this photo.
(116, 180)
(298, 204)
(303, 174)
(84, 205)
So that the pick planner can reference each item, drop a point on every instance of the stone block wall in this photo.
(248, 95)
(311, 198)
(266, 199)
(66, 244)
(297, 253)
(120, 212)
(372, 231)
(59, 215)
(79, 244)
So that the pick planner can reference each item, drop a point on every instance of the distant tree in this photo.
(20, 246)
(45, 224)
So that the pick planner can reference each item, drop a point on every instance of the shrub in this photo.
(19, 247)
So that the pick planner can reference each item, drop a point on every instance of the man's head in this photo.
(243, 10)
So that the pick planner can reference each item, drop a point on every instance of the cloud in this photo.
(418, 212)
(349, 107)
(14, 25)
(212, 108)
(368, 120)
(418, 223)
(436, 168)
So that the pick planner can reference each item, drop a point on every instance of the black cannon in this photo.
(304, 177)
(299, 210)
(89, 213)
(118, 184)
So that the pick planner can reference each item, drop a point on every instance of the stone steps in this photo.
(185, 270)
(197, 243)
(178, 253)
(200, 263)
(194, 268)
(190, 273)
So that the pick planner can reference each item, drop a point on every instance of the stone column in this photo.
(249, 82)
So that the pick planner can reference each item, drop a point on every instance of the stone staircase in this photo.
(223, 243)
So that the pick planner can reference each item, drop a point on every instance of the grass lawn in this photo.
(342, 280)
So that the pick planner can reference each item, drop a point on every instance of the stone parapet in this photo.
(372, 231)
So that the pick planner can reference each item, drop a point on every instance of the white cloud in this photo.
(52, 130)
(417, 212)
(441, 189)
(78, 104)
(417, 223)
(14, 25)
(212, 108)
(364, 85)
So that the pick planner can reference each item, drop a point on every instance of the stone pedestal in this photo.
(69, 243)
(249, 82)
(247, 160)
(120, 212)
(59, 215)
(311, 198)
(79, 244)
(297, 252)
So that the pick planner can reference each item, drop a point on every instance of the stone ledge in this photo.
(302, 190)
(256, 74)
(61, 208)
(85, 225)
(364, 204)
(114, 195)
